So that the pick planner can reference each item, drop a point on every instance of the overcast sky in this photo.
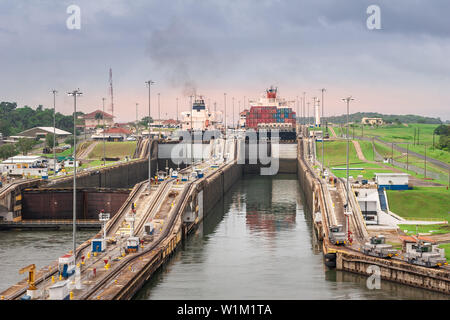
(239, 47)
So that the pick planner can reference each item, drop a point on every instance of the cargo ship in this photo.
(271, 112)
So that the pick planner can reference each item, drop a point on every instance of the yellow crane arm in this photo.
(31, 271)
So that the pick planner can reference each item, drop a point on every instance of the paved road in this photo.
(438, 163)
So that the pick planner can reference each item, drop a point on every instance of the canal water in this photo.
(257, 243)
(20, 248)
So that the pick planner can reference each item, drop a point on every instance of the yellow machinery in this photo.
(31, 271)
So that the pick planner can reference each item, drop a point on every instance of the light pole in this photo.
(323, 135)
(74, 93)
(304, 102)
(348, 148)
(192, 134)
(159, 116)
(177, 111)
(104, 128)
(137, 119)
(225, 108)
(54, 131)
(308, 112)
(232, 111)
(149, 84)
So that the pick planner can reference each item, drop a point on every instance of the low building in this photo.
(25, 166)
(91, 120)
(372, 121)
(41, 133)
(392, 181)
(368, 200)
(112, 134)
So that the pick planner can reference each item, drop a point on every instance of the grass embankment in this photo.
(411, 229)
(400, 157)
(335, 154)
(113, 150)
(65, 153)
(446, 247)
(421, 203)
(402, 133)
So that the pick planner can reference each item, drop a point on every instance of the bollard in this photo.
(60, 277)
(53, 279)
(71, 295)
(88, 255)
(3, 297)
(95, 254)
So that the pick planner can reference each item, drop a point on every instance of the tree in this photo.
(144, 121)
(7, 150)
(49, 140)
(25, 145)
(69, 140)
(98, 117)
(442, 130)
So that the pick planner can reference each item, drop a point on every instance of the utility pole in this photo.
(74, 93)
(418, 136)
(225, 108)
(149, 84)
(177, 110)
(323, 134)
(425, 162)
(54, 131)
(308, 112)
(348, 149)
(232, 111)
(159, 116)
(137, 119)
(304, 103)
(104, 128)
(192, 134)
(392, 153)
(407, 156)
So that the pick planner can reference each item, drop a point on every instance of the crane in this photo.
(31, 272)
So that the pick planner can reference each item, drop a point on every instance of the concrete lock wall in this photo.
(217, 185)
(58, 204)
(124, 175)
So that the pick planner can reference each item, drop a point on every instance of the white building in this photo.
(392, 180)
(25, 166)
(369, 203)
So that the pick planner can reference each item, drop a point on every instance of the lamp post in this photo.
(348, 148)
(74, 93)
(304, 102)
(137, 119)
(149, 84)
(54, 131)
(323, 135)
(104, 128)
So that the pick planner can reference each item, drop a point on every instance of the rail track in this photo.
(124, 262)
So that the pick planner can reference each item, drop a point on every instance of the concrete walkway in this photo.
(359, 151)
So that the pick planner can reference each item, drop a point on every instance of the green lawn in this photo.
(446, 247)
(421, 203)
(335, 154)
(401, 133)
(368, 174)
(411, 229)
(114, 149)
(65, 153)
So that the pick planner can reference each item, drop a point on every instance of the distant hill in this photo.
(408, 118)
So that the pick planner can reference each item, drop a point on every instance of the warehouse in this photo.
(392, 181)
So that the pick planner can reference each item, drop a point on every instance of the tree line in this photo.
(14, 120)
